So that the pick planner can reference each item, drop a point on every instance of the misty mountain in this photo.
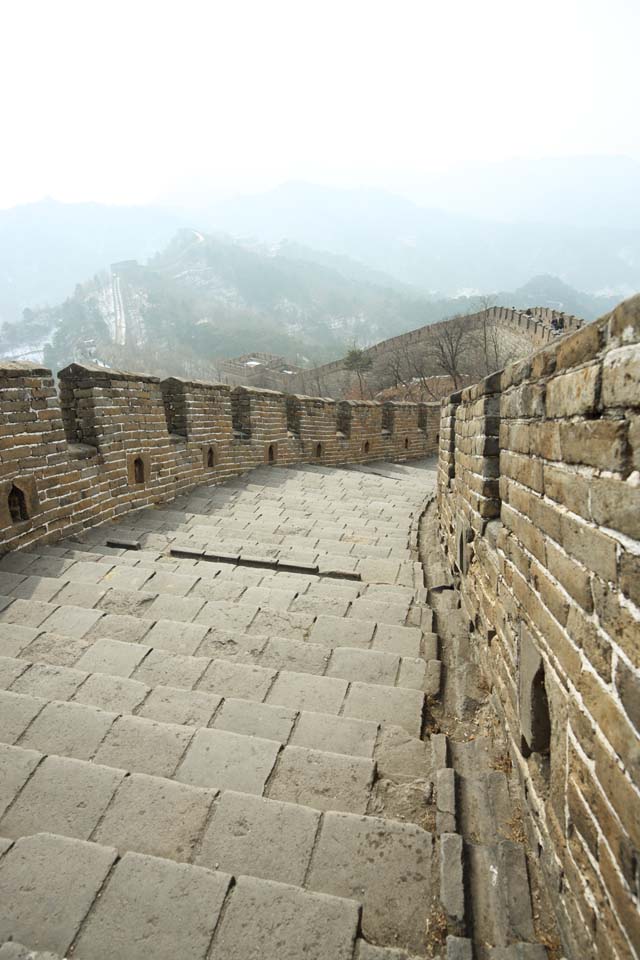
(48, 247)
(206, 297)
(433, 250)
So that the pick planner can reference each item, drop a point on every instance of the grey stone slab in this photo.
(405, 641)
(28, 613)
(9, 581)
(72, 621)
(224, 645)
(210, 589)
(117, 694)
(47, 884)
(193, 708)
(367, 951)
(318, 606)
(117, 626)
(65, 797)
(460, 948)
(395, 705)
(412, 673)
(255, 719)
(16, 951)
(378, 571)
(16, 766)
(115, 657)
(279, 623)
(320, 731)
(55, 649)
(168, 607)
(400, 755)
(338, 632)
(68, 730)
(156, 816)
(176, 584)
(446, 800)
(303, 691)
(153, 908)
(324, 781)
(242, 680)
(10, 669)
(182, 638)
(37, 588)
(86, 571)
(49, 682)
(262, 838)
(228, 761)
(14, 638)
(144, 746)
(170, 669)
(379, 610)
(369, 666)
(122, 575)
(272, 921)
(452, 876)
(134, 602)
(16, 713)
(225, 615)
(80, 594)
(295, 655)
(387, 865)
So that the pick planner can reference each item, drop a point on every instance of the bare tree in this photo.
(447, 347)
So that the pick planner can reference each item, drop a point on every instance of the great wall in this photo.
(278, 682)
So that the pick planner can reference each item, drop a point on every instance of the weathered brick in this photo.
(573, 393)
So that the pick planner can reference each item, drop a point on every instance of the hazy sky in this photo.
(134, 101)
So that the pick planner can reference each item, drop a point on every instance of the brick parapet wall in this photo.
(113, 441)
(543, 537)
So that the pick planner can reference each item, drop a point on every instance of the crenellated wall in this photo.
(539, 512)
(113, 441)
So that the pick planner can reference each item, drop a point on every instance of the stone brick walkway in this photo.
(212, 719)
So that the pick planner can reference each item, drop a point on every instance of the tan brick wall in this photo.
(115, 441)
(539, 500)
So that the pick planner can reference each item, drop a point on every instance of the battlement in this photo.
(539, 513)
(114, 441)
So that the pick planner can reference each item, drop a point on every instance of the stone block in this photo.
(301, 691)
(69, 730)
(115, 657)
(324, 781)
(144, 746)
(16, 766)
(193, 708)
(535, 724)
(320, 731)
(255, 719)
(228, 761)
(394, 705)
(242, 680)
(574, 393)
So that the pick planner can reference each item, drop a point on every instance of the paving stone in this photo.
(262, 838)
(317, 606)
(228, 617)
(367, 951)
(72, 621)
(55, 649)
(228, 761)
(412, 673)
(274, 623)
(386, 865)
(320, 731)
(379, 610)
(16, 766)
(242, 680)
(272, 921)
(155, 816)
(83, 571)
(118, 626)
(222, 645)
(369, 666)
(337, 632)
(14, 638)
(63, 796)
(378, 571)
(273, 598)
(28, 613)
(51, 683)
(117, 694)
(69, 730)
(394, 705)
(324, 781)
(210, 589)
(405, 641)
(134, 602)
(399, 755)
(16, 951)
(193, 708)
(295, 655)
(302, 691)
(36, 588)
(124, 576)
(115, 657)
(183, 638)
(144, 746)
(176, 584)
(255, 719)
(9, 581)
(10, 669)
(168, 607)
(153, 908)
(452, 876)
(16, 713)
(169, 669)
(79, 594)
(47, 884)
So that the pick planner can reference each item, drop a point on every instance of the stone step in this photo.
(499, 893)
(205, 757)
(398, 754)
(384, 864)
(399, 705)
(60, 893)
(485, 809)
